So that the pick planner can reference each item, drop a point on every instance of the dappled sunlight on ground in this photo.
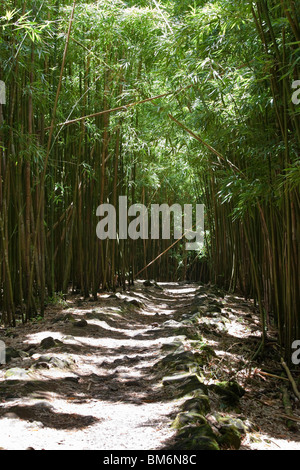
(99, 385)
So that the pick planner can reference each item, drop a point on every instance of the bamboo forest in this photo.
(149, 227)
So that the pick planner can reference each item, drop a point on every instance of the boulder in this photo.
(188, 418)
(81, 323)
(199, 404)
(48, 343)
(16, 374)
(196, 438)
(12, 353)
(185, 384)
(230, 392)
(45, 362)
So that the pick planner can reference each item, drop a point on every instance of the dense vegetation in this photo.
(165, 102)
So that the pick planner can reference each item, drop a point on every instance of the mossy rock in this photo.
(194, 310)
(204, 355)
(178, 360)
(152, 283)
(194, 319)
(200, 300)
(230, 393)
(16, 374)
(61, 363)
(232, 386)
(185, 384)
(68, 317)
(230, 437)
(12, 353)
(197, 438)
(199, 404)
(197, 431)
(135, 303)
(214, 308)
(54, 361)
(190, 332)
(81, 323)
(225, 422)
(48, 343)
(186, 418)
(175, 345)
(216, 291)
(94, 315)
(216, 325)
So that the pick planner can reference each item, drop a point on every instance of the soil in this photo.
(98, 385)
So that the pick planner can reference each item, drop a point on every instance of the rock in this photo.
(81, 323)
(41, 365)
(182, 357)
(11, 353)
(174, 345)
(185, 384)
(23, 354)
(68, 317)
(196, 438)
(214, 309)
(190, 332)
(156, 286)
(231, 431)
(233, 387)
(215, 325)
(194, 310)
(16, 374)
(230, 438)
(152, 283)
(225, 422)
(230, 392)
(59, 362)
(48, 343)
(29, 349)
(72, 379)
(199, 404)
(207, 351)
(135, 302)
(172, 324)
(188, 418)
(181, 360)
(68, 338)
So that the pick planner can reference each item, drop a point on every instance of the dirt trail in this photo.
(96, 383)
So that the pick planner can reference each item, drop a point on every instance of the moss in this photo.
(197, 438)
(16, 373)
(69, 317)
(230, 437)
(233, 387)
(188, 418)
(185, 384)
(48, 343)
(199, 404)
(231, 430)
(230, 393)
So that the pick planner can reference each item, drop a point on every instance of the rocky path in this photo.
(117, 373)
